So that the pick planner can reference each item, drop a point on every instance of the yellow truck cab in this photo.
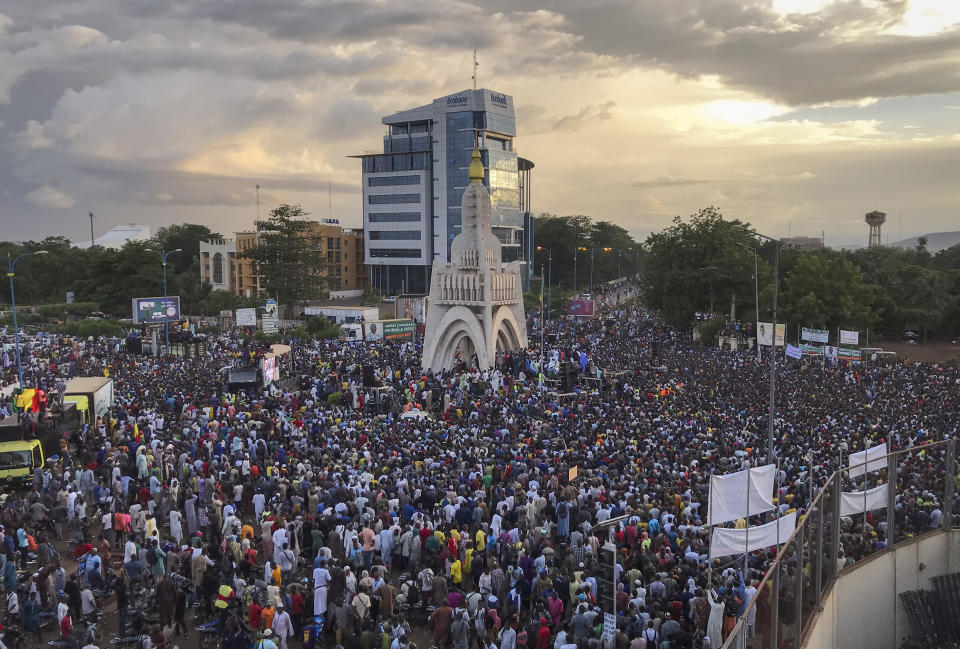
(19, 459)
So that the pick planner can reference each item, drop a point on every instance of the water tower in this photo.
(875, 219)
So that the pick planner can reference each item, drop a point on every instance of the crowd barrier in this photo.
(791, 594)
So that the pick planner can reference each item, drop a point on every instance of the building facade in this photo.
(412, 191)
(224, 268)
(247, 282)
(217, 261)
(343, 249)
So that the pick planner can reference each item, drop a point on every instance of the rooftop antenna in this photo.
(258, 202)
(330, 199)
(475, 66)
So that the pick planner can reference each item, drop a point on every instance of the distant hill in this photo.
(936, 241)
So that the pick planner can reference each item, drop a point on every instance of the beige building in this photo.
(343, 248)
(224, 267)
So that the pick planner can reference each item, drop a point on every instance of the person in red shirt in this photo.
(296, 607)
(254, 610)
(543, 635)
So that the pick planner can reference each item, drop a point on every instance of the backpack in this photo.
(654, 641)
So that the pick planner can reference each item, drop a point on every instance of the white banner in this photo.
(246, 317)
(874, 459)
(815, 335)
(794, 352)
(830, 352)
(849, 337)
(855, 502)
(727, 542)
(728, 499)
(765, 333)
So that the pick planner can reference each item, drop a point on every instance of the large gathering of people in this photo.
(466, 509)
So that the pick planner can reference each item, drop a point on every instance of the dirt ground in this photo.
(924, 352)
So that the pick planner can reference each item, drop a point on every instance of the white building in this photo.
(118, 236)
(216, 263)
(412, 191)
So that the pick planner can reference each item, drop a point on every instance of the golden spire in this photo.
(476, 167)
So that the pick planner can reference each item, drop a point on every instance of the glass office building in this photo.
(412, 191)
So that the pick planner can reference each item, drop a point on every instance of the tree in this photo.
(825, 290)
(289, 262)
(187, 237)
(693, 264)
(563, 235)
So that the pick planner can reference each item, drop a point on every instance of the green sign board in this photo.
(398, 330)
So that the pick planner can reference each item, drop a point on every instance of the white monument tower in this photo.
(476, 304)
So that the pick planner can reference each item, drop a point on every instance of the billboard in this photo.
(815, 335)
(581, 308)
(270, 323)
(247, 317)
(765, 333)
(271, 372)
(413, 307)
(398, 329)
(156, 309)
(849, 337)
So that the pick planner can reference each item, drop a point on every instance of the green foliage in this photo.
(708, 331)
(824, 290)
(371, 296)
(563, 235)
(321, 327)
(287, 258)
(335, 398)
(703, 260)
(86, 328)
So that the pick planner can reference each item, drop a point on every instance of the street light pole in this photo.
(163, 262)
(773, 347)
(591, 272)
(11, 264)
(575, 273)
(549, 273)
(756, 300)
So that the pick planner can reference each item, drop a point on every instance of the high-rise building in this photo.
(412, 191)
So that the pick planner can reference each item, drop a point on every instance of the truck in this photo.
(26, 443)
(378, 330)
(93, 396)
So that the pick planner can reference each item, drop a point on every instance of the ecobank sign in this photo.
(459, 100)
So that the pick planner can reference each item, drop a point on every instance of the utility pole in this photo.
(258, 202)
(91, 229)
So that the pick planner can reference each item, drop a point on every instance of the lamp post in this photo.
(575, 269)
(163, 262)
(756, 295)
(11, 264)
(773, 350)
(591, 273)
(549, 273)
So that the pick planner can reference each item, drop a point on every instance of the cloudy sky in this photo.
(798, 115)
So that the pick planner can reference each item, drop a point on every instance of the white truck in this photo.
(92, 394)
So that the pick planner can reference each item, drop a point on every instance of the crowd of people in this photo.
(469, 509)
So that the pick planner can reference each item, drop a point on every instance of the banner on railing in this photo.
(856, 502)
(873, 459)
(728, 497)
(727, 542)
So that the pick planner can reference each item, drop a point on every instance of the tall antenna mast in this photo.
(330, 199)
(475, 66)
(258, 202)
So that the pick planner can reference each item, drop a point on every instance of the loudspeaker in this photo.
(568, 376)
(368, 378)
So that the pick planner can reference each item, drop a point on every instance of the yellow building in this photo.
(246, 281)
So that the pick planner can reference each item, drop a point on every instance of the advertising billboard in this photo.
(582, 308)
(413, 307)
(270, 323)
(149, 310)
(398, 329)
(247, 317)
(765, 333)
(270, 370)
(849, 337)
(815, 335)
